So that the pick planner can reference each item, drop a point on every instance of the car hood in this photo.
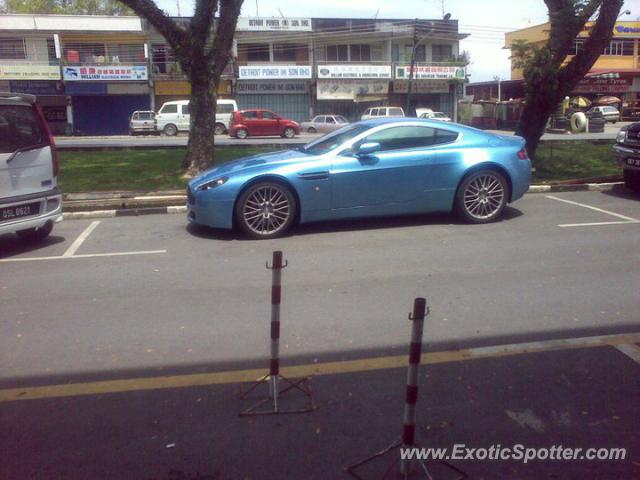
(252, 162)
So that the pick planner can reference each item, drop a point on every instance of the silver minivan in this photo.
(30, 201)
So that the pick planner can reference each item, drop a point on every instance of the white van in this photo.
(173, 117)
(30, 201)
(377, 112)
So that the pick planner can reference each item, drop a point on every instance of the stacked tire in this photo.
(596, 123)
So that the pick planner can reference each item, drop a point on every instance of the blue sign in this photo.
(37, 87)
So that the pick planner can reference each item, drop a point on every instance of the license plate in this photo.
(18, 211)
(633, 162)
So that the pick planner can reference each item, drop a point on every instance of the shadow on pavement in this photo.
(11, 244)
(620, 191)
(358, 224)
(580, 398)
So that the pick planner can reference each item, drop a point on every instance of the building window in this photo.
(614, 48)
(51, 52)
(288, 52)
(403, 53)
(441, 53)
(360, 53)
(337, 53)
(577, 46)
(12, 49)
(255, 52)
(87, 53)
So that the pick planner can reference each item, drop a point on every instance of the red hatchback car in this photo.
(256, 122)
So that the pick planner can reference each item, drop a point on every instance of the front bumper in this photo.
(203, 208)
(50, 210)
(627, 157)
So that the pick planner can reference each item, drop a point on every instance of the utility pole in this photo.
(413, 64)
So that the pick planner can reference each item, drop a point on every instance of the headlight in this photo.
(213, 183)
(621, 136)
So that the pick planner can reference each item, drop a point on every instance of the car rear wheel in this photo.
(311, 130)
(289, 132)
(170, 130)
(36, 234)
(482, 196)
(266, 210)
(241, 133)
(219, 129)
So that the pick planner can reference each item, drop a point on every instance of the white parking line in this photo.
(88, 255)
(80, 240)
(591, 224)
(630, 350)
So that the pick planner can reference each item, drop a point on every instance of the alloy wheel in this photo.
(267, 210)
(484, 196)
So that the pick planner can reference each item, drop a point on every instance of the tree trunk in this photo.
(534, 117)
(202, 109)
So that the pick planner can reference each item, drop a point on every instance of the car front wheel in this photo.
(289, 132)
(219, 129)
(241, 133)
(311, 130)
(482, 196)
(266, 210)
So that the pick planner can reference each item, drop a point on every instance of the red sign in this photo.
(603, 85)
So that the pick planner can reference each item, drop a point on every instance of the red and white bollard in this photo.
(276, 296)
(415, 352)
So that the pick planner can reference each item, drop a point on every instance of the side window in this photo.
(185, 109)
(250, 114)
(330, 120)
(375, 112)
(269, 115)
(224, 108)
(396, 138)
(135, 116)
(367, 111)
(317, 119)
(172, 108)
(396, 112)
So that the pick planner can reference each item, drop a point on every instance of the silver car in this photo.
(610, 114)
(324, 123)
(143, 121)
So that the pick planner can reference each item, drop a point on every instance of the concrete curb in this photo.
(153, 210)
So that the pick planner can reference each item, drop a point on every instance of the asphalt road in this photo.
(153, 141)
(140, 298)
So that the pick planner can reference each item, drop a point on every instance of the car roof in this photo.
(427, 122)
(21, 99)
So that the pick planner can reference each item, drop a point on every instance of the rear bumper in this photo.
(50, 210)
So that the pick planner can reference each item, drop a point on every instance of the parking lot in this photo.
(138, 298)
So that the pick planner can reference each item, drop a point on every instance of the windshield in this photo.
(334, 140)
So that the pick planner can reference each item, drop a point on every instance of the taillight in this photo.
(54, 154)
(522, 154)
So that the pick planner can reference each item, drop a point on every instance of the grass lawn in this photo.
(159, 169)
(573, 159)
(154, 169)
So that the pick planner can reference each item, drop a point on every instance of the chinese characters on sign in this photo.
(270, 24)
(430, 72)
(354, 71)
(274, 72)
(106, 73)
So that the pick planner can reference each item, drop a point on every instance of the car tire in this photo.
(289, 132)
(170, 130)
(482, 196)
(312, 130)
(242, 133)
(36, 234)
(266, 210)
(219, 129)
(631, 179)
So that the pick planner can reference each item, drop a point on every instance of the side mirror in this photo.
(367, 148)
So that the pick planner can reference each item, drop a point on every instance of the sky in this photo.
(485, 20)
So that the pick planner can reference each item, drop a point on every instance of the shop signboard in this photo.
(355, 70)
(105, 73)
(29, 72)
(262, 72)
(430, 72)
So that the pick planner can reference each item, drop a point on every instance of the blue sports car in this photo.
(378, 167)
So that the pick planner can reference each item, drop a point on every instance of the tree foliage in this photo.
(69, 7)
(548, 77)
